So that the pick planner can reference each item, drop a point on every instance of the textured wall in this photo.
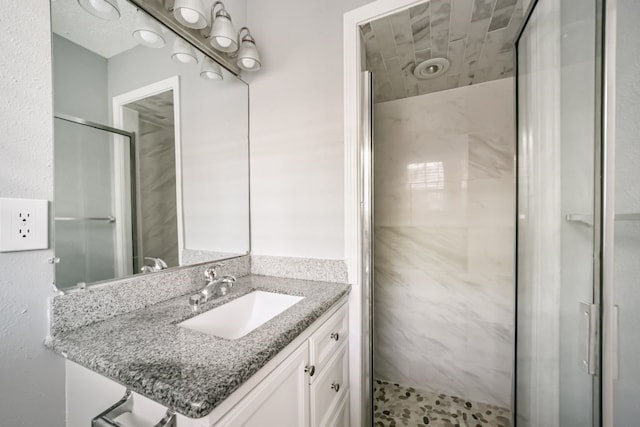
(31, 377)
(297, 161)
(444, 241)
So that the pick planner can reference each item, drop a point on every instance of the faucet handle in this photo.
(210, 273)
(195, 301)
(158, 263)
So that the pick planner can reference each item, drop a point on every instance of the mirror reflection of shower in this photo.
(88, 229)
(152, 120)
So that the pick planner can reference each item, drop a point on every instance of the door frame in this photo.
(118, 104)
(354, 175)
(609, 310)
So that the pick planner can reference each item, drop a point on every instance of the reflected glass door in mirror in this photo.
(150, 154)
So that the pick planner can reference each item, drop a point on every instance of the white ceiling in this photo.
(106, 38)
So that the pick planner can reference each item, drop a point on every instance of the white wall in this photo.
(31, 377)
(297, 162)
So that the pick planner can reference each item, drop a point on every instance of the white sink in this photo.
(237, 318)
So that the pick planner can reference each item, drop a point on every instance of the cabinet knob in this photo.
(335, 336)
(336, 387)
(310, 370)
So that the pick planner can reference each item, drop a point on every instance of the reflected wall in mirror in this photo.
(150, 150)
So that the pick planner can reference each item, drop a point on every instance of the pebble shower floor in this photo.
(396, 405)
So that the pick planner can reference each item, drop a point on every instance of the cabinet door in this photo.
(88, 394)
(329, 389)
(341, 417)
(281, 399)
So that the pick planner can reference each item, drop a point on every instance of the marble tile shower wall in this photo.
(158, 192)
(444, 241)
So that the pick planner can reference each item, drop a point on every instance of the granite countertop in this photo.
(185, 370)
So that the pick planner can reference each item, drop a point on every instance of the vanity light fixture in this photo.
(222, 35)
(190, 13)
(148, 31)
(105, 9)
(248, 56)
(210, 69)
(183, 52)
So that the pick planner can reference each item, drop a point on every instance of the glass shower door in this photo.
(93, 204)
(558, 276)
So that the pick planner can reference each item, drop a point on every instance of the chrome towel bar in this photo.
(69, 218)
(124, 406)
(588, 219)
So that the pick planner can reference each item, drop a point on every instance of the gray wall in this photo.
(80, 81)
(31, 377)
(83, 166)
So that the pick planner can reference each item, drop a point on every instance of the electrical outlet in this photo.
(24, 224)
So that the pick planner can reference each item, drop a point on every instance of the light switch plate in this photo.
(24, 224)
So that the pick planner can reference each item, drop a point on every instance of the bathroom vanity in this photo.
(152, 188)
(292, 370)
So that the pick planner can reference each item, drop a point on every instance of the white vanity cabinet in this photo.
(306, 384)
(309, 388)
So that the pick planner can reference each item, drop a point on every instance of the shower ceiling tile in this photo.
(401, 26)
(460, 18)
(502, 14)
(482, 9)
(477, 36)
(440, 24)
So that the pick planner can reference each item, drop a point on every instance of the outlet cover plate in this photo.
(24, 224)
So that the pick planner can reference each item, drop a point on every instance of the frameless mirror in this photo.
(151, 152)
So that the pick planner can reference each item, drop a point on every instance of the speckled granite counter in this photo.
(186, 370)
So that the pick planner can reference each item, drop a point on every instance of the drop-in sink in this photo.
(237, 318)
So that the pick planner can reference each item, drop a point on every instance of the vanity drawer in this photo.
(330, 389)
(326, 341)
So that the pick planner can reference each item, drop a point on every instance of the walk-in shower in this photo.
(443, 211)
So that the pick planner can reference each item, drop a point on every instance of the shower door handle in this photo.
(589, 316)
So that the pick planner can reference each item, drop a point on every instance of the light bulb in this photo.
(211, 75)
(248, 62)
(149, 37)
(184, 58)
(223, 41)
(100, 5)
(189, 15)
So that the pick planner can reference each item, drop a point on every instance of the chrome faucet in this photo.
(214, 288)
(158, 264)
